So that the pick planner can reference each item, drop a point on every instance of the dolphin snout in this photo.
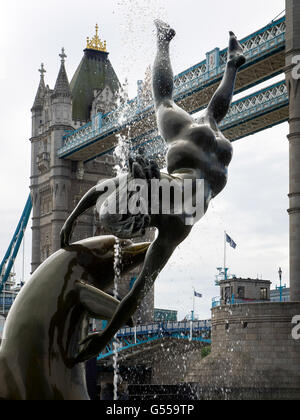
(136, 249)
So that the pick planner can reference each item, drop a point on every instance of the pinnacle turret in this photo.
(39, 99)
(62, 87)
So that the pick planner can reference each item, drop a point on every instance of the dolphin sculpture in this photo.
(50, 318)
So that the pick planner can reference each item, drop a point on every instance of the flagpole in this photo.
(225, 244)
(193, 313)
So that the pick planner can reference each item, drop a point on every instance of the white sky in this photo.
(253, 208)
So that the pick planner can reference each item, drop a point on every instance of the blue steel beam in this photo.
(110, 352)
(129, 338)
(13, 249)
(193, 88)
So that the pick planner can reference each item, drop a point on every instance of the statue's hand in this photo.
(131, 224)
(65, 234)
(94, 344)
(145, 170)
(92, 347)
(142, 168)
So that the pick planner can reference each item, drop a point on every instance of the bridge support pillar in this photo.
(293, 83)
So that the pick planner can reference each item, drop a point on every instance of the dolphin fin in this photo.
(99, 304)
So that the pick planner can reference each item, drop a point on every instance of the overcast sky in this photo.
(252, 209)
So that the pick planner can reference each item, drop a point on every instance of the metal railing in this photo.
(217, 302)
(166, 327)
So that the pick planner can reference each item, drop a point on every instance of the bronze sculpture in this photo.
(196, 151)
(50, 318)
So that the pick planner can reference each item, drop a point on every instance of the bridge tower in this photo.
(293, 82)
(57, 184)
(50, 178)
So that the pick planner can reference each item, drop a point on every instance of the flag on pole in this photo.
(230, 241)
(197, 295)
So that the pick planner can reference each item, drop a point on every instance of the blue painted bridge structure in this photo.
(129, 340)
(265, 52)
(13, 249)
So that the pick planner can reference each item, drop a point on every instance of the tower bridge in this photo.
(265, 52)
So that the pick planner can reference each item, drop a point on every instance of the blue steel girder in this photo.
(193, 89)
(13, 249)
(129, 339)
(149, 340)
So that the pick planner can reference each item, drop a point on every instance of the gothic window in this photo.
(46, 205)
(43, 157)
(46, 115)
(45, 249)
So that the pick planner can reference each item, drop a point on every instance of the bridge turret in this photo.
(61, 99)
(38, 106)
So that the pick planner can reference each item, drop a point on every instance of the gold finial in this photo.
(96, 43)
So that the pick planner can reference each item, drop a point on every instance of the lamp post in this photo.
(280, 288)
(280, 278)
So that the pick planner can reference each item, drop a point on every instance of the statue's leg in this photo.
(171, 119)
(221, 101)
(163, 78)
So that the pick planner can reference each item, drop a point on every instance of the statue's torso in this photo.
(201, 148)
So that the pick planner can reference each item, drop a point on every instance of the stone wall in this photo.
(253, 354)
(174, 360)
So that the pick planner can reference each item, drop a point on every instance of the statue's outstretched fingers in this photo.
(131, 162)
(141, 161)
(147, 220)
(148, 172)
(155, 171)
(130, 323)
(137, 171)
(93, 345)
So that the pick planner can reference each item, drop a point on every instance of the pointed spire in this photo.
(42, 71)
(62, 87)
(39, 99)
(63, 56)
